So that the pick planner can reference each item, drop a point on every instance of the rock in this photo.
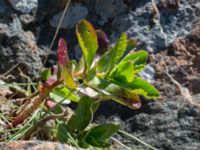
(4, 90)
(18, 46)
(24, 6)
(182, 60)
(2, 7)
(148, 74)
(26, 19)
(156, 36)
(34, 145)
(109, 9)
(170, 124)
(71, 17)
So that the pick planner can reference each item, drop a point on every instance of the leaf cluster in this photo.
(110, 76)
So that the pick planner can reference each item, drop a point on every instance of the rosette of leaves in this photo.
(95, 78)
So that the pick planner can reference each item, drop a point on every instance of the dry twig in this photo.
(57, 30)
(183, 90)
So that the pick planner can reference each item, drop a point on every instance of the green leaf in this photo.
(60, 93)
(103, 64)
(45, 74)
(99, 135)
(124, 72)
(87, 38)
(68, 77)
(113, 91)
(90, 74)
(139, 57)
(72, 124)
(80, 69)
(141, 87)
(117, 52)
(83, 115)
(62, 133)
(57, 98)
(122, 96)
(107, 62)
(138, 60)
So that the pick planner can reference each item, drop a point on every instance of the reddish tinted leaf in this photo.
(62, 52)
(132, 100)
(50, 103)
(137, 105)
(103, 40)
(53, 106)
(54, 70)
(52, 80)
(17, 120)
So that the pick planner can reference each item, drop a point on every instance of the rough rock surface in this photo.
(148, 73)
(182, 59)
(109, 9)
(33, 145)
(156, 26)
(24, 6)
(72, 16)
(18, 46)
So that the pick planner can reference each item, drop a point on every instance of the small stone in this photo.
(148, 73)
(4, 90)
(74, 13)
(109, 9)
(26, 19)
(24, 6)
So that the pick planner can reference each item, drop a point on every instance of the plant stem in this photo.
(138, 140)
(57, 30)
(121, 144)
(22, 130)
(31, 106)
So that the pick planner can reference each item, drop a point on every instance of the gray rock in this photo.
(18, 46)
(158, 124)
(26, 19)
(109, 9)
(74, 13)
(35, 144)
(2, 7)
(154, 37)
(24, 6)
(148, 73)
